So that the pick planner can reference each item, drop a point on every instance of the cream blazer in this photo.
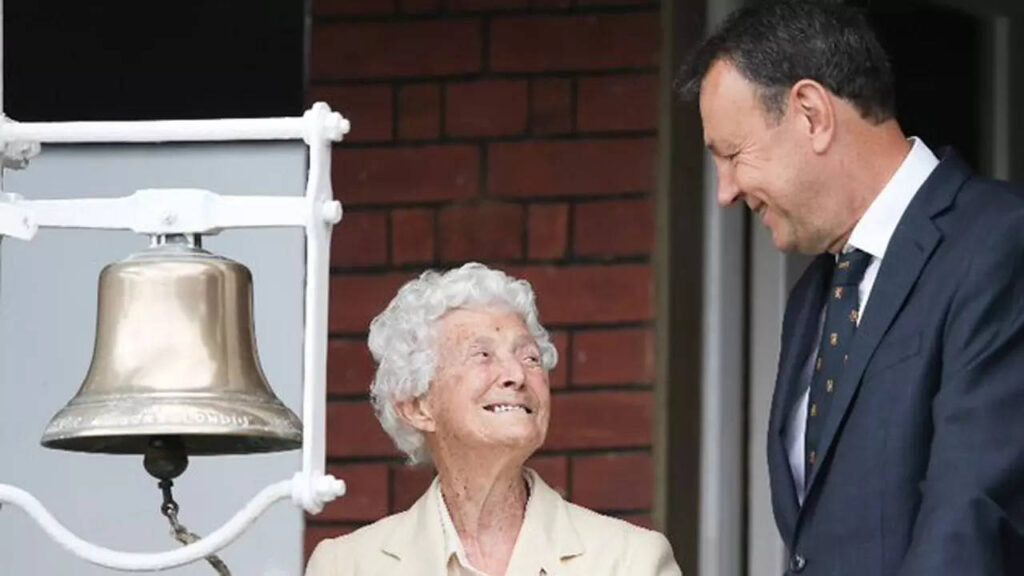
(557, 539)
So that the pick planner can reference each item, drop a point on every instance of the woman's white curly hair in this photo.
(404, 344)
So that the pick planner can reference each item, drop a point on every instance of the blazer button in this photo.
(797, 563)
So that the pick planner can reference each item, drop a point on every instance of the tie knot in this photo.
(850, 268)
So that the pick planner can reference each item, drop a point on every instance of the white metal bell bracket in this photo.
(165, 211)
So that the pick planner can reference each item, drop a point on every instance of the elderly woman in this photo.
(462, 383)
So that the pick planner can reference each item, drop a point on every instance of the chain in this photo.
(169, 508)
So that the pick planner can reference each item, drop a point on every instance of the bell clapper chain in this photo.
(169, 508)
(166, 459)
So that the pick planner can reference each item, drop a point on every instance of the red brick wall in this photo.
(520, 133)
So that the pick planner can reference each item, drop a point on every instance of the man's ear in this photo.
(417, 413)
(812, 103)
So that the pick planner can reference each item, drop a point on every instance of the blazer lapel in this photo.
(547, 536)
(800, 333)
(809, 297)
(912, 244)
(417, 542)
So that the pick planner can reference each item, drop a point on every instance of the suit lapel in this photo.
(547, 536)
(809, 298)
(800, 332)
(912, 244)
(417, 541)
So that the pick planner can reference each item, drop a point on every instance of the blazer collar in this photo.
(942, 185)
(546, 537)
(417, 540)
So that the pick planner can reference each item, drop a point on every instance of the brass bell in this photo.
(175, 361)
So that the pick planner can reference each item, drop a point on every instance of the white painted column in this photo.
(724, 360)
(772, 274)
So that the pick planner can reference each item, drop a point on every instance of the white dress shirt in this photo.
(871, 234)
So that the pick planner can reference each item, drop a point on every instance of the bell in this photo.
(175, 362)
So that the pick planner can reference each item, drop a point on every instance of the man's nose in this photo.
(728, 191)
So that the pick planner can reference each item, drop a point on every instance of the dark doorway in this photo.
(937, 55)
(139, 60)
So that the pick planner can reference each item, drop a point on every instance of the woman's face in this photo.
(490, 388)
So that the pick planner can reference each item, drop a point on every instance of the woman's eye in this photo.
(482, 354)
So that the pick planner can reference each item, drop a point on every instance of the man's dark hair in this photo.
(776, 44)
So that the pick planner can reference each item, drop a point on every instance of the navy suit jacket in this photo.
(921, 460)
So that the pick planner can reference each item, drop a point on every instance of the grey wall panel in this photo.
(47, 323)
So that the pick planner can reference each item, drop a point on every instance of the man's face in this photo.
(765, 163)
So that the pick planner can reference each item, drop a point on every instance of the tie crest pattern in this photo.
(841, 316)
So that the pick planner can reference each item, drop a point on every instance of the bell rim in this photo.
(195, 444)
(116, 424)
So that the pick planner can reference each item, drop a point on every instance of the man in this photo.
(896, 433)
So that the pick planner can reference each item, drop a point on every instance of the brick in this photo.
(616, 2)
(556, 43)
(420, 6)
(551, 106)
(598, 420)
(408, 483)
(617, 103)
(480, 232)
(316, 533)
(368, 108)
(356, 298)
(459, 5)
(412, 236)
(641, 519)
(591, 294)
(438, 173)
(350, 368)
(560, 375)
(613, 481)
(419, 112)
(547, 231)
(366, 494)
(361, 239)
(620, 356)
(554, 470)
(571, 168)
(353, 7)
(354, 432)
(347, 50)
(614, 228)
(486, 108)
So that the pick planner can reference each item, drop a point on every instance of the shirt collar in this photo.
(876, 227)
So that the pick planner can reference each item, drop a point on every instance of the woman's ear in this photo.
(417, 413)
(813, 105)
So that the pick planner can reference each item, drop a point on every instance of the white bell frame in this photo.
(193, 211)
